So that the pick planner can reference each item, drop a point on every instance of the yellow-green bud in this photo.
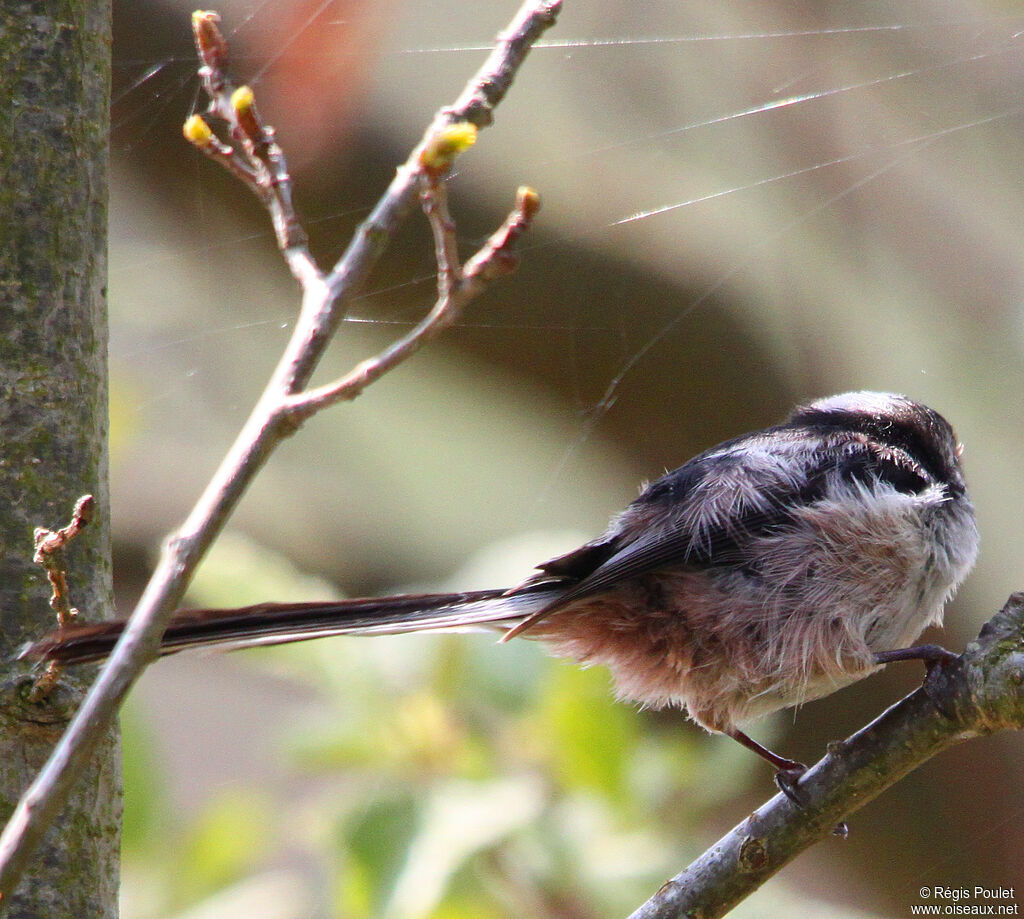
(447, 144)
(242, 99)
(197, 131)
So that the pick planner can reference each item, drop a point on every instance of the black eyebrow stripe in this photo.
(914, 433)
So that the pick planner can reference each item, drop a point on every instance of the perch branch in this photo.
(979, 693)
(275, 417)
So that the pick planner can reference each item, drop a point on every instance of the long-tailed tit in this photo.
(765, 572)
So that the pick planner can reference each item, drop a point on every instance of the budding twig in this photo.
(457, 285)
(496, 257)
(255, 158)
(49, 546)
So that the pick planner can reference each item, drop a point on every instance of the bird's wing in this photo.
(705, 513)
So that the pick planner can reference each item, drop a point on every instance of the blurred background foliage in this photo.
(746, 204)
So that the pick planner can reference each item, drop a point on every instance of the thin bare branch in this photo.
(274, 417)
(456, 287)
(434, 198)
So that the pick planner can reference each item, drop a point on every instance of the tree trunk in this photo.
(54, 87)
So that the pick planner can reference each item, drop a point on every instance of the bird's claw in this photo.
(787, 779)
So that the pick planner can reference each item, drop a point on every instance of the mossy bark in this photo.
(54, 83)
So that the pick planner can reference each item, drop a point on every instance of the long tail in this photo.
(279, 623)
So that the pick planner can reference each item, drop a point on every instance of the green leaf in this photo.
(589, 736)
(227, 842)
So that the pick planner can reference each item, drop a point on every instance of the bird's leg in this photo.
(787, 771)
(932, 655)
